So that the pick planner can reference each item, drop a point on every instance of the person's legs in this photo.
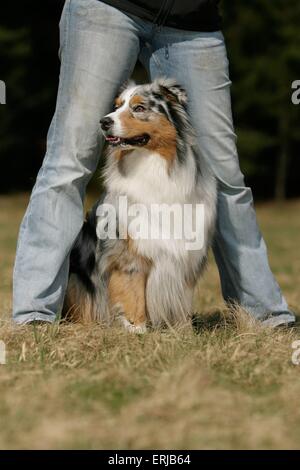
(199, 62)
(99, 48)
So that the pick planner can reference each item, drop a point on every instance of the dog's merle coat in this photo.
(152, 159)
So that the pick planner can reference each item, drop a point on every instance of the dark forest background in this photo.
(263, 41)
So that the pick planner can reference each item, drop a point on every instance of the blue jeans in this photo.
(99, 46)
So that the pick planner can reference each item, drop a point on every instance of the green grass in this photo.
(227, 384)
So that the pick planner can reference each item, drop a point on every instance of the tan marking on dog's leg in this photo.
(127, 292)
(78, 304)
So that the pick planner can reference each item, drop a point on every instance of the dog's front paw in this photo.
(137, 329)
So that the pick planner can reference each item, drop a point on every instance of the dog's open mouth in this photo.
(138, 140)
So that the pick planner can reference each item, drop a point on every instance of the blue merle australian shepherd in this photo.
(135, 258)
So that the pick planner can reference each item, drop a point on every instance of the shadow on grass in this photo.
(210, 321)
(219, 319)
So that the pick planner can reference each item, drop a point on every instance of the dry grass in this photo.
(227, 384)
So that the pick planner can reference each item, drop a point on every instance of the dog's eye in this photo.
(139, 108)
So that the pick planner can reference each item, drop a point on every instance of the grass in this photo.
(230, 384)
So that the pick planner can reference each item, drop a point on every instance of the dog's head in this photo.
(151, 116)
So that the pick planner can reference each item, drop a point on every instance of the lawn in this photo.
(227, 384)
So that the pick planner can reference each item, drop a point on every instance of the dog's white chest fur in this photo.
(144, 177)
(164, 212)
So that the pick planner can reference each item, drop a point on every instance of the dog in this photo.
(152, 161)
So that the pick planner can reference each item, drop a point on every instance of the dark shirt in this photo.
(194, 15)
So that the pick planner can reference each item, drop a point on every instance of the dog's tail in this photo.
(86, 297)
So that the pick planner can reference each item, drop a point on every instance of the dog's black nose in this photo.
(106, 123)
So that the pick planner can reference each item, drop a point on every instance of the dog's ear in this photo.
(172, 91)
(125, 85)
